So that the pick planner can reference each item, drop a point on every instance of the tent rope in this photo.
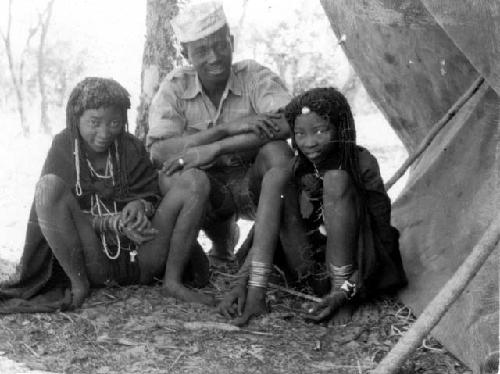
(435, 310)
(434, 131)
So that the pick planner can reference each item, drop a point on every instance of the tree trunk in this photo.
(160, 56)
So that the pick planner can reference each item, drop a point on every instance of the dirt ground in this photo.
(136, 330)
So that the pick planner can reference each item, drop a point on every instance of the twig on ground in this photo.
(31, 350)
(67, 317)
(97, 303)
(282, 274)
(214, 285)
(227, 275)
(258, 332)
(175, 361)
(296, 293)
(430, 348)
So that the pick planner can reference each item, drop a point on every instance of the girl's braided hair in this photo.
(330, 104)
(95, 93)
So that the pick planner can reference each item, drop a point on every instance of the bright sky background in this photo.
(113, 31)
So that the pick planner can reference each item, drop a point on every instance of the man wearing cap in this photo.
(221, 118)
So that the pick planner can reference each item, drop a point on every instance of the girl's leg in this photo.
(341, 218)
(267, 226)
(70, 236)
(293, 235)
(178, 220)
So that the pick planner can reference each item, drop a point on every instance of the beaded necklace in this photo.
(98, 208)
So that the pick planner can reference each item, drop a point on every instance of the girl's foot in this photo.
(79, 292)
(178, 291)
(255, 305)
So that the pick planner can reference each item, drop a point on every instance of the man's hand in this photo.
(191, 158)
(263, 125)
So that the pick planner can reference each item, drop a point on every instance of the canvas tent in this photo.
(416, 58)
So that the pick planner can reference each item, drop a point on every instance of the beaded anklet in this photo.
(259, 274)
(341, 276)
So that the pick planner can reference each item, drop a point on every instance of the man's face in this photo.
(212, 57)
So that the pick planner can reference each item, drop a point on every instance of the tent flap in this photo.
(416, 58)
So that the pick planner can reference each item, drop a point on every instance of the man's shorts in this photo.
(233, 190)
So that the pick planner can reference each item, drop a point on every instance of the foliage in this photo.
(298, 43)
(36, 66)
(64, 66)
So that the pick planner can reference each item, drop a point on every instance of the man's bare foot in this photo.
(79, 292)
(255, 305)
(178, 291)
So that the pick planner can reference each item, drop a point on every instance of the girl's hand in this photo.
(133, 214)
(140, 236)
(327, 307)
(233, 303)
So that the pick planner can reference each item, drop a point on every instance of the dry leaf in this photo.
(211, 326)
(128, 342)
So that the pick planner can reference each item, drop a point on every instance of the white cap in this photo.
(198, 20)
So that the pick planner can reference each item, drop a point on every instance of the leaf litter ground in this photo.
(136, 330)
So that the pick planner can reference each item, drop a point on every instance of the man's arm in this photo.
(242, 134)
(161, 150)
(204, 155)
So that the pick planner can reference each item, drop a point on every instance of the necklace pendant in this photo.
(132, 255)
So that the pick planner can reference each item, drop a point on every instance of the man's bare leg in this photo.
(178, 220)
(267, 227)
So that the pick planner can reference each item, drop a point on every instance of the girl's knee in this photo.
(50, 190)
(338, 184)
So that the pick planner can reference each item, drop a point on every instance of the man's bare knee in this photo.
(337, 185)
(49, 190)
(276, 153)
(194, 182)
(276, 177)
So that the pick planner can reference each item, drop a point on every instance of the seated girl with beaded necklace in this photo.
(98, 217)
(347, 238)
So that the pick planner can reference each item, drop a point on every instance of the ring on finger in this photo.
(181, 161)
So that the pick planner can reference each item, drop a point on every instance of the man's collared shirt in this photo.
(180, 107)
